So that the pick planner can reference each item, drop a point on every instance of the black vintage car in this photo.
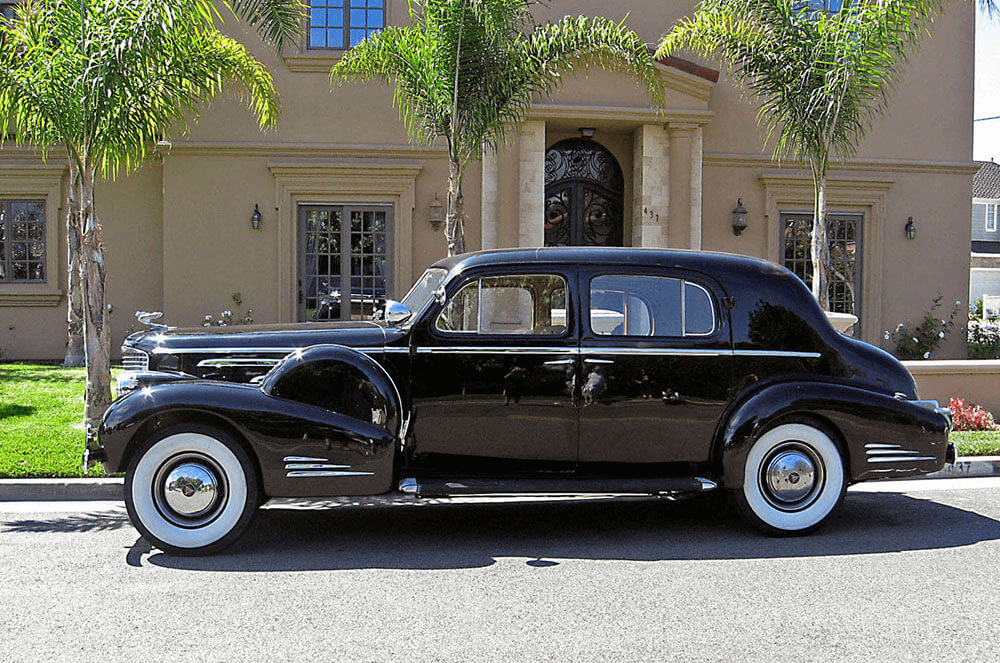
(562, 371)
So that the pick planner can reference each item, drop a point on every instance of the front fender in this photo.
(856, 418)
(340, 379)
(358, 455)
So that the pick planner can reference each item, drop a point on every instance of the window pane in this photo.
(357, 18)
(522, 304)
(699, 314)
(317, 37)
(635, 306)
(357, 36)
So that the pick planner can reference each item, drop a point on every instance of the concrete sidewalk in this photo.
(111, 489)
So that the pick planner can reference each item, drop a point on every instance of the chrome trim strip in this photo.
(889, 452)
(900, 459)
(409, 486)
(666, 352)
(559, 362)
(776, 353)
(315, 466)
(590, 360)
(711, 301)
(271, 350)
(489, 349)
(707, 484)
(881, 445)
(325, 473)
(304, 459)
(240, 361)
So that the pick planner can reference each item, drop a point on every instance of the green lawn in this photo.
(40, 405)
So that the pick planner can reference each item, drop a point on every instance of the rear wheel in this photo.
(191, 490)
(793, 478)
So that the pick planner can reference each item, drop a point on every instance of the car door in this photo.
(493, 373)
(656, 366)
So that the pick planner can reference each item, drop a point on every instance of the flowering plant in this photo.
(970, 417)
(918, 341)
(226, 317)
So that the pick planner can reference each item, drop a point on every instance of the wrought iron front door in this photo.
(584, 191)
(344, 260)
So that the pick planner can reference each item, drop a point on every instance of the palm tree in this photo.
(466, 71)
(278, 22)
(106, 93)
(821, 76)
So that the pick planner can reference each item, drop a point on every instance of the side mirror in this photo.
(395, 312)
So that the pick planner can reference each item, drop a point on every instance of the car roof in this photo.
(704, 261)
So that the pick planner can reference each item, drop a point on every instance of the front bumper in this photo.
(93, 452)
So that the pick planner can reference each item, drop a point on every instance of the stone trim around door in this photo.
(360, 181)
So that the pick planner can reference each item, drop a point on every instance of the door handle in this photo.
(558, 362)
(598, 361)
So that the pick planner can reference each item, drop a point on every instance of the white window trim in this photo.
(991, 204)
(39, 181)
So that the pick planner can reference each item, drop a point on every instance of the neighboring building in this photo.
(984, 266)
(593, 164)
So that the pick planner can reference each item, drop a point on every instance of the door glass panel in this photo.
(699, 313)
(528, 304)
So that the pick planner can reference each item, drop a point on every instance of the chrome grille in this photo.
(134, 360)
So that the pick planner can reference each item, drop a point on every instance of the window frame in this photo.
(683, 280)
(346, 26)
(439, 311)
(859, 252)
(994, 207)
(6, 258)
(38, 181)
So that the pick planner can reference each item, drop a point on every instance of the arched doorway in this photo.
(584, 195)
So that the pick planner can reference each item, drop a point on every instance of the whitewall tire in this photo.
(793, 478)
(191, 490)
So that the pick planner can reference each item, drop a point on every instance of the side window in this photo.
(528, 304)
(649, 306)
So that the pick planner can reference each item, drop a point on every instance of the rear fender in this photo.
(853, 417)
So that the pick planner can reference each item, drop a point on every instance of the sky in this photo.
(986, 132)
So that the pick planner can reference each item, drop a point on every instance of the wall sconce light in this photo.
(436, 213)
(739, 218)
(587, 132)
(255, 218)
(910, 229)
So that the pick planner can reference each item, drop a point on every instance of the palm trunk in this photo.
(454, 228)
(820, 247)
(74, 299)
(97, 336)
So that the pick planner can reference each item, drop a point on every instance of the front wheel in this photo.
(793, 478)
(191, 490)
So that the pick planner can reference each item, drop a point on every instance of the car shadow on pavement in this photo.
(458, 535)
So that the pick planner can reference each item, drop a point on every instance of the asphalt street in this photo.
(904, 571)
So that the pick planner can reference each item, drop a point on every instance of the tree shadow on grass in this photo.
(450, 535)
(8, 410)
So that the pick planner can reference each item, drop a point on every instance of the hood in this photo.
(277, 338)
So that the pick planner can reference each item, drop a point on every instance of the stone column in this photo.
(650, 190)
(681, 149)
(696, 152)
(491, 199)
(531, 148)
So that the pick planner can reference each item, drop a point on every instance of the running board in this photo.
(626, 486)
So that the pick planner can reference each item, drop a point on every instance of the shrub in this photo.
(227, 319)
(984, 340)
(970, 417)
(918, 341)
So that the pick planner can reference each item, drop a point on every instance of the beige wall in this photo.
(178, 234)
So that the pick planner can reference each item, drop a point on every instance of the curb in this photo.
(29, 490)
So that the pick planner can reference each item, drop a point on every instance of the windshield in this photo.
(422, 293)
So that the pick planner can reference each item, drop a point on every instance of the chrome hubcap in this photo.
(791, 477)
(190, 490)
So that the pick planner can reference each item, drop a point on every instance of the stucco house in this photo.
(595, 163)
